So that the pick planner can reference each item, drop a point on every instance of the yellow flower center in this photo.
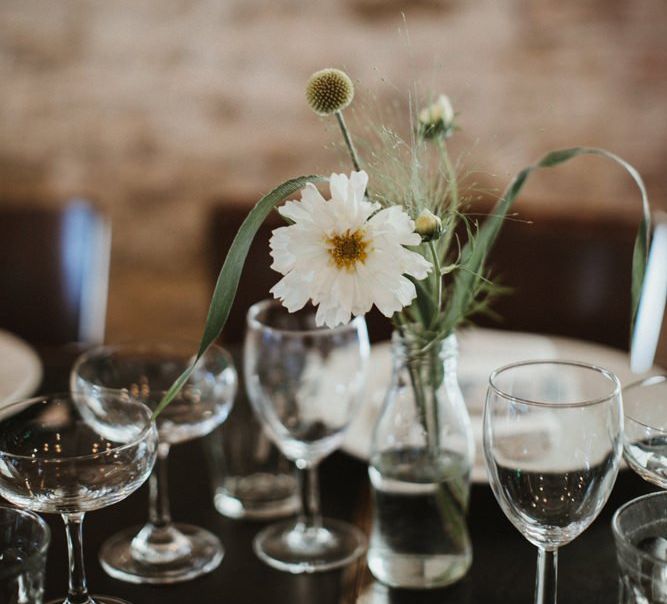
(348, 248)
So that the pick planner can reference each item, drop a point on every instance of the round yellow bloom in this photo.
(329, 90)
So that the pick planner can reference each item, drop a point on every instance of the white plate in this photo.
(481, 351)
(20, 368)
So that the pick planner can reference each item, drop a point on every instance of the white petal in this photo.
(308, 209)
(292, 290)
(338, 186)
(415, 265)
(357, 186)
(394, 222)
(283, 258)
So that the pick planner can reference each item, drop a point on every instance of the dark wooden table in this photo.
(503, 568)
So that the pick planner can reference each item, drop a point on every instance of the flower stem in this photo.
(348, 140)
(437, 273)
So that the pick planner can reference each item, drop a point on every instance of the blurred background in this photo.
(164, 113)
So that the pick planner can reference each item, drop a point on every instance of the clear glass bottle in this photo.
(421, 458)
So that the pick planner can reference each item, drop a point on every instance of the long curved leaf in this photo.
(475, 252)
(230, 274)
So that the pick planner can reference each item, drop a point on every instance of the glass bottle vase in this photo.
(421, 458)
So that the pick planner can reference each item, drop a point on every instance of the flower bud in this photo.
(437, 119)
(329, 91)
(428, 225)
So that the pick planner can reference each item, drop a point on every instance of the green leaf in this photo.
(230, 274)
(475, 252)
(424, 302)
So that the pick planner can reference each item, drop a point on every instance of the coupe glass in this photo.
(645, 439)
(58, 454)
(305, 384)
(162, 551)
(552, 441)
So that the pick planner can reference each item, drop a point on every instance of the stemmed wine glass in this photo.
(58, 454)
(645, 438)
(162, 551)
(305, 384)
(552, 442)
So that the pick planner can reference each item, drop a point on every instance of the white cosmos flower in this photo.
(344, 255)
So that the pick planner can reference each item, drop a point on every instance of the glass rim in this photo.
(254, 323)
(647, 381)
(149, 427)
(148, 346)
(138, 346)
(620, 535)
(44, 540)
(611, 376)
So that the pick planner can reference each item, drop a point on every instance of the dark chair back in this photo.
(566, 276)
(54, 270)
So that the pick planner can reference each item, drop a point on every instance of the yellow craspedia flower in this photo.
(329, 90)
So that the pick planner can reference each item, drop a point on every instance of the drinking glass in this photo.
(58, 454)
(305, 384)
(162, 551)
(645, 438)
(251, 478)
(24, 539)
(552, 442)
(639, 529)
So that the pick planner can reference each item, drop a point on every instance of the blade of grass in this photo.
(475, 251)
(230, 274)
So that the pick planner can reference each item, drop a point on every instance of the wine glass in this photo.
(305, 384)
(552, 442)
(162, 551)
(645, 438)
(60, 455)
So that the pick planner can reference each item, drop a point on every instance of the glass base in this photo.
(258, 496)
(412, 571)
(289, 546)
(184, 553)
(94, 600)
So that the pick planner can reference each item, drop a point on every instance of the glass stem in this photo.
(547, 573)
(158, 511)
(310, 516)
(77, 592)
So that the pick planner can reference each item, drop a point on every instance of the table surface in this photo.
(503, 566)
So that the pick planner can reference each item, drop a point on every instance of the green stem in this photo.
(437, 273)
(348, 140)
(451, 499)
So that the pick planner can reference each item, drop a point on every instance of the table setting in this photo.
(311, 466)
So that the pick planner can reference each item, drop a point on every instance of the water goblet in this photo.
(305, 384)
(552, 442)
(60, 455)
(645, 437)
(162, 551)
